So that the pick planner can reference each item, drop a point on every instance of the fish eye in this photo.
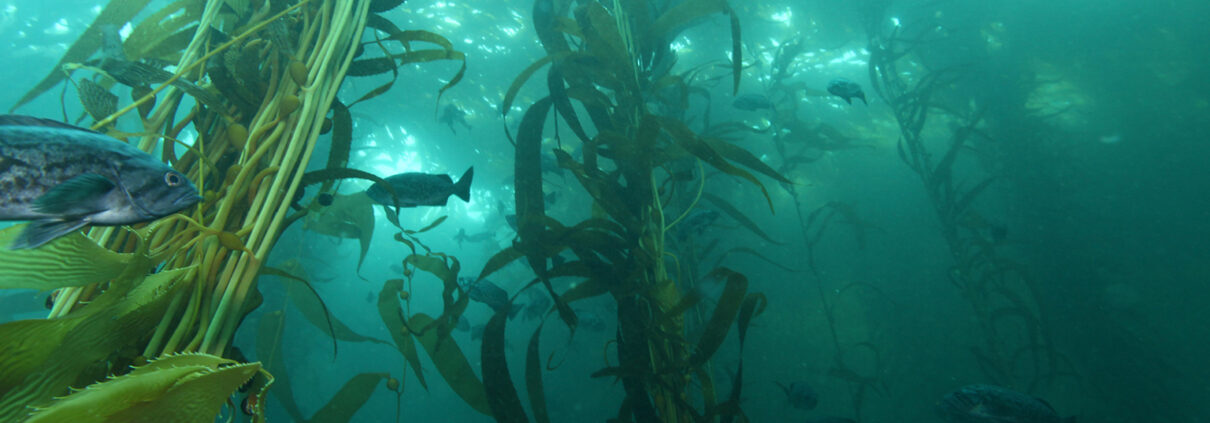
(173, 179)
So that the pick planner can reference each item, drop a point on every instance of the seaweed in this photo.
(252, 84)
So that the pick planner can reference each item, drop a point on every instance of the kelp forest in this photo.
(681, 211)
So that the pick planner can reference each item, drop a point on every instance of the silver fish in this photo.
(846, 89)
(64, 177)
(421, 189)
(993, 404)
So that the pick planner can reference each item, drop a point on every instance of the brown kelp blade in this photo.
(349, 216)
(451, 363)
(268, 351)
(349, 399)
(116, 12)
(392, 316)
(497, 382)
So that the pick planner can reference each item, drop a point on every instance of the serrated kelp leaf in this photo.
(97, 100)
(116, 12)
(41, 359)
(533, 377)
(451, 364)
(743, 220)
(349, 399)
(349, 216)
(187, 389)
(519, 81)
(269, 352)
(392, 316)
(497, 382)
(745, 158)
(689, 141)
(734, 290)
(70, 260)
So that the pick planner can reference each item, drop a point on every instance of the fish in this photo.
(63, 178)
(591, 320)
(479, 237)
(752, 101)
(538, 305)
(994, 404)
(847, 90)
(493, 295)
(453, 114)
(422, 189)
(830, 419)
(696, 223)
(800, 395)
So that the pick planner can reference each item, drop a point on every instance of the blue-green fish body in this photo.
(422, 189)
(63, 177)
(993, 404)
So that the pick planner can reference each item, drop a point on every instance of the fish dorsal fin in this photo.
(23, 120)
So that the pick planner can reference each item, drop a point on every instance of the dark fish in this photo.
(800, 395)
(98, 101)
(421, 189)
(453, 114)
(489, 293)
(538, 305)
(479, 237)
(846, 89)
(696, 223)
(993, 404)
(752, 101)
(591, 320)
(63, 177)
(831, 419)
(139, 74)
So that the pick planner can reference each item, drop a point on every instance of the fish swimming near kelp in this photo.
(800, 395)
(751, 102)
(454, 115)
(422, 189)
(847, 90)
(62, 178)
(993, 404)
(493, 295)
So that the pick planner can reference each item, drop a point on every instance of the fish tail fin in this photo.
(463, 188)
(862, 97)
(848, 100)
(40, 232)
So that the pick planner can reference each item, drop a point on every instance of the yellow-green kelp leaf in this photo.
(72, 260)
(349, 216)
(41, 359)
(392, 315)
(179, 388)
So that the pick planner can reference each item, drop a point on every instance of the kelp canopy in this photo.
(251, 91)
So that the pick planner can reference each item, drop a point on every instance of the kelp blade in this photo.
(452, 364)
(71, 260)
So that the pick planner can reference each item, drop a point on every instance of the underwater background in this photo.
(1083, 125)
